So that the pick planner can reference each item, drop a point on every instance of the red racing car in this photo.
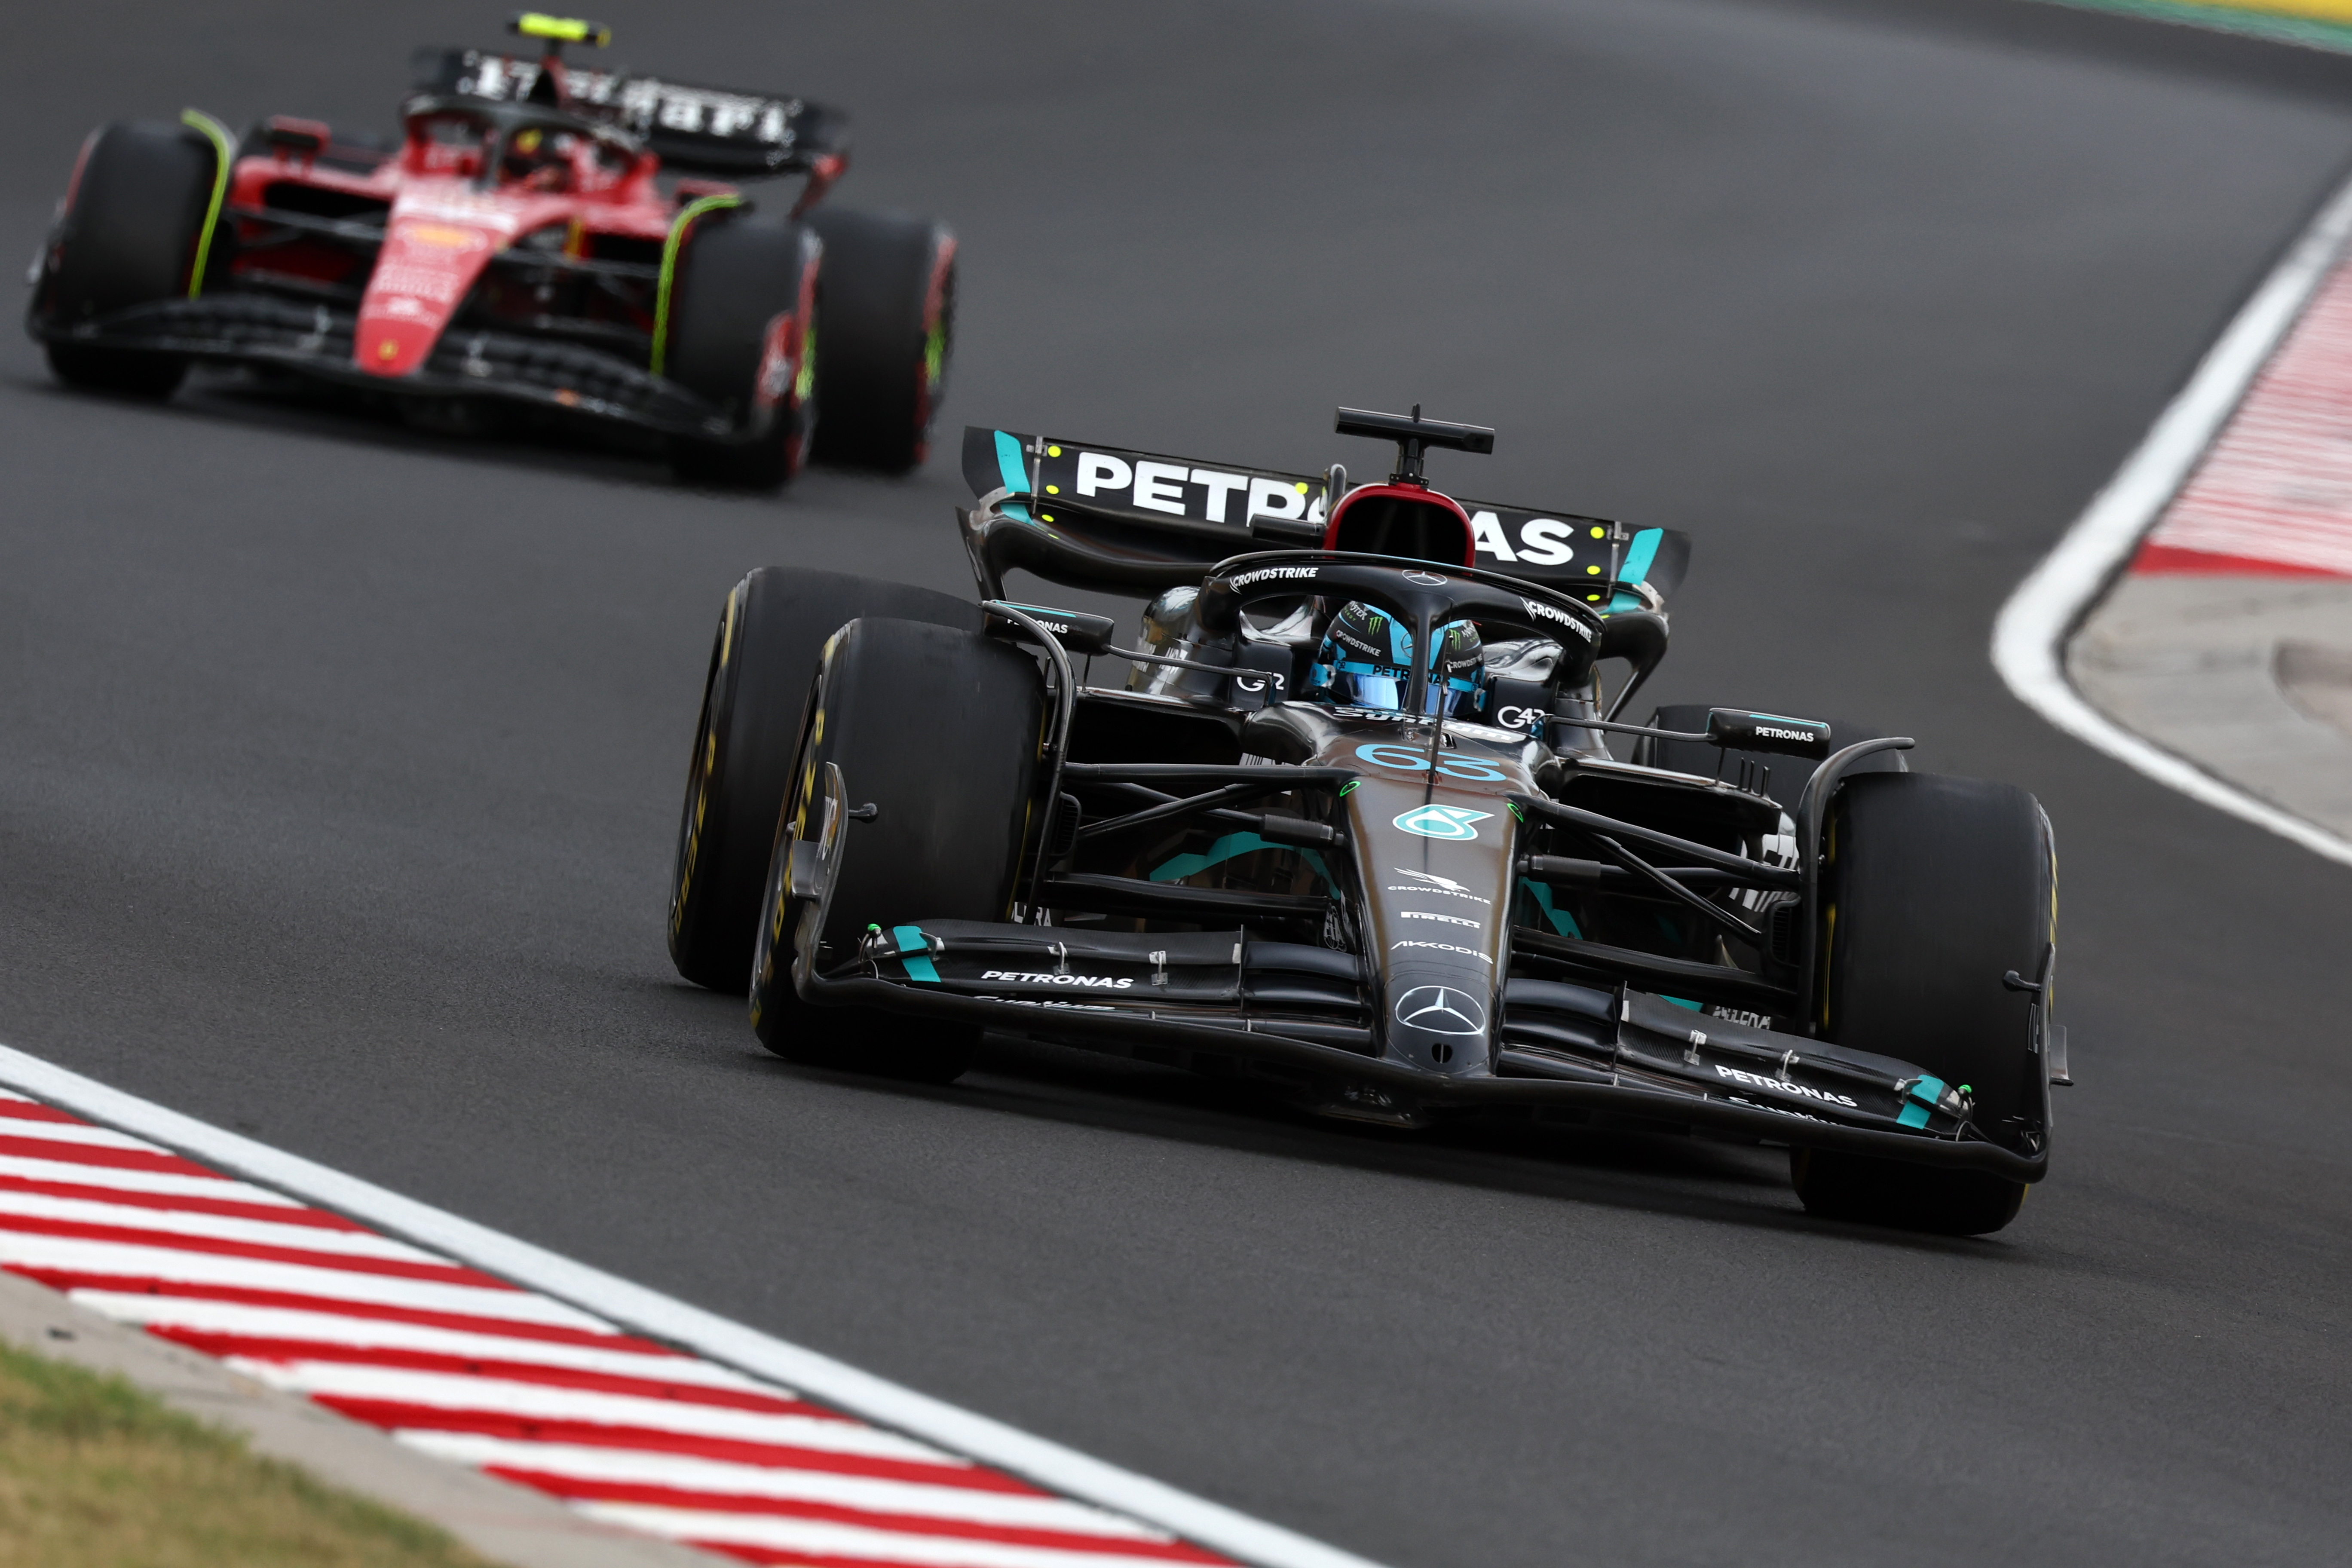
(528, 244)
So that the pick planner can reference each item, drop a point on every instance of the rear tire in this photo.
(129, 238)
(940, 730)
(742, 333)
(1933, 889)
(773, 626)
(887, 324)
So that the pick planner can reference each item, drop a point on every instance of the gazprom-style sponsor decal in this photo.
(1443, 821)
(1446, 947)
(1553, 615)
(1273, 574)
(1442, 1010)
(1429, 882)
(1783, 1086)
(1562, 550)
(1039, 977)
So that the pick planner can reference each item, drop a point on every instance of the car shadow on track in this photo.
(1662, 1174)
(531, 441)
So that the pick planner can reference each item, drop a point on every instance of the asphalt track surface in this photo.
(340, 763)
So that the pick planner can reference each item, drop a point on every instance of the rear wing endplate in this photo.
(697, 129)
(1091, 516)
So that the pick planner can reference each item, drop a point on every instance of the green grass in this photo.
(94, 1473)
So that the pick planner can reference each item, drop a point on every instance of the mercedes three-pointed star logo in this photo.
(1440, 1010)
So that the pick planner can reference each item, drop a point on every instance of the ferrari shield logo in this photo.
(1443, 821)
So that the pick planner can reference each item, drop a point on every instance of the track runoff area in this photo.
(2196, 622)
(637, 1411)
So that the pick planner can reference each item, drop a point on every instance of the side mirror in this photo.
(1737, 730)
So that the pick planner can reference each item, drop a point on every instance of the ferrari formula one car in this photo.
(519, 249)
(1352, 829)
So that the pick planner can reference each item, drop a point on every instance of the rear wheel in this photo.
(129, 237)
(938, 730)
(773, 626)
(741, 331)
(887, 324)
(1935, 887)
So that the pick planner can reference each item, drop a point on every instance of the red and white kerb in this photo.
(464, 1365)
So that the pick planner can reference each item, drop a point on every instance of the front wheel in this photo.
(1935, 889)
(742, 331)
(887, 324)
(938, 731)
(771, 633)
(129, 237)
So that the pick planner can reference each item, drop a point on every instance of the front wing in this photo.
(316, 340)
(1296, 1017)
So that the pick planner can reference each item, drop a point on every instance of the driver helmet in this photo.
(1366, 661)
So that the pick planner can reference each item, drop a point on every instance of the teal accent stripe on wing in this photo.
(1227, 848)
(1644, 551)
(910, 941)
(1015, 472)
(1914, 1114)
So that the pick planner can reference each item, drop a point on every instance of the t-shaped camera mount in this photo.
(1412, 435)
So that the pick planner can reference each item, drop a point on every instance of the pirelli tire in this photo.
(129, 235)
(742, 331)
(886, 325)
(1936, 888)
(937, 729)
(763, 656)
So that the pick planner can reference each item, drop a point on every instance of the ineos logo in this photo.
(1440, 1010)
(1426, 579)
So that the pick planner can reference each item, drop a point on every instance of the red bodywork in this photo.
(443, 225)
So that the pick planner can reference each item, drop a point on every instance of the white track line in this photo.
(659, 1316)
(2030, 636)
(720, 1478)
(824, 1539)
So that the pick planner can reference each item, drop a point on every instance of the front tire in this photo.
(1935, 887)
(887, 324)
(742, 333)
(128, 237)
(770, 631)
(938, 729)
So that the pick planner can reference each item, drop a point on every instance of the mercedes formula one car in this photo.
(520, 248)
(1363, 824)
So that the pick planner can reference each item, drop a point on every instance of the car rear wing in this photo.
(1108, 519)
(710, 130)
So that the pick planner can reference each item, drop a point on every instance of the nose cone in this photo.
(390, 346)
(422, 276)
(1439, 1020)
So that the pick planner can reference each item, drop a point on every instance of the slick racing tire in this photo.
(887, 322)
(1933, 889)
(742, 332)
(938, 730)
(762, 658)
(128, 237)
(1789, 775)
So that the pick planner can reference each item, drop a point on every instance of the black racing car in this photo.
(1385, 884)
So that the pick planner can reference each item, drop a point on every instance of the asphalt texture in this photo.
(340, 763)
